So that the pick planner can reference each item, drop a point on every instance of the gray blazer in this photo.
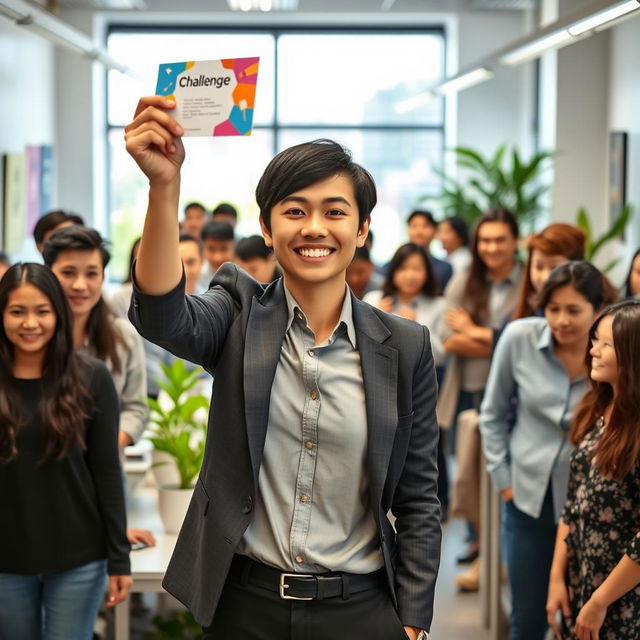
(235, 330)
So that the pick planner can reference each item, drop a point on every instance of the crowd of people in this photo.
(537, 364)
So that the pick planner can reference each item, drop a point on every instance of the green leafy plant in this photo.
(178, 626)
(175, 427)
(487, 183)
(594, 244)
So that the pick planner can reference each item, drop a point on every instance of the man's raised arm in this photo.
(154, 141)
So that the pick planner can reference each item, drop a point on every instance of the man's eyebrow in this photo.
(304, 200)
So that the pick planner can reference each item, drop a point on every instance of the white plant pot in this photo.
(172, 505)
(164, 469)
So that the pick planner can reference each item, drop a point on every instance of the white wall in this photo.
(582, 131)
(497, 111)
(624, 110)
(76, 103)
(27, 97)
(26, 90)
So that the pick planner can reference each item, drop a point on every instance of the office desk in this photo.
(148, 565)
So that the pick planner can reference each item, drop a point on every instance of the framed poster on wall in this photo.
(617, 173)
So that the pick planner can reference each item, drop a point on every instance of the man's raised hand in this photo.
(154, 140)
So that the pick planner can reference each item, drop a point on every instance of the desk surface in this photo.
(142, 513)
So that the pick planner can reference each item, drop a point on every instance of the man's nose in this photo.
(315, 226)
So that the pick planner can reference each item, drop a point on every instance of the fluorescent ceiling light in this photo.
(537, 47)
(464, 80)
(600, 18)
(57, 31)
(405, 106)
(263, 5)
(9, 10)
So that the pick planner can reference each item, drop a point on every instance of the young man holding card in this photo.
(322, 418)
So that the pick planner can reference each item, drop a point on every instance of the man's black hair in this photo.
(252, 247)
(188, 237)
(194, 205)
(75, 238)
(226, 209)
(306, 164)
(427, 215)
(362, 253)
(460, 228)
(4, 259)
(217, 230)
(51, 220)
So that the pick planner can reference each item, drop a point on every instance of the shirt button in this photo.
(314, 395)
(305, 498)
(299, 559)
(248, 505)
(311, 352)
(309, 444)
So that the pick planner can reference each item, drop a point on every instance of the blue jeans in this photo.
(55, 606)
(528, 551)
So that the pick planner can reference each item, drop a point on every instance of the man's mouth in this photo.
(315, 252)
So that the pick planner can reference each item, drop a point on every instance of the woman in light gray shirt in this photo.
(411, 291)
(541, 361)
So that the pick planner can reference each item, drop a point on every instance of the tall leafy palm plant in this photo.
(487, 183)
(595, 243)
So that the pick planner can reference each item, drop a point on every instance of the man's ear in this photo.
(363, 232)
(266, 234)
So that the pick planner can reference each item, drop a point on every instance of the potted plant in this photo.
(594, 244)
(178, 428)
(488, 183)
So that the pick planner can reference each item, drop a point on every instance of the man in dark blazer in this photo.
(322, 418)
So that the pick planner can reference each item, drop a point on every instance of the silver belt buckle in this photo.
(284, 585)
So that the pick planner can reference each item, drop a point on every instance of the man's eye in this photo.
(336, 212)
(295, 212)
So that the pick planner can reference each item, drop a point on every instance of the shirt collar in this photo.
(513, 276)
(346, 315)
(545, 339)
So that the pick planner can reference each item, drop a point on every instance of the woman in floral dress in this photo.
(595, 578)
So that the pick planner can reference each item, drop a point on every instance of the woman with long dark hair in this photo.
(78, 257)
(478, 300)
(541, 362)
(61, 494)
(411, 291)
(596, 565)
(632, 282)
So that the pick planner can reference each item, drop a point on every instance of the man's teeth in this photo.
(314, 253)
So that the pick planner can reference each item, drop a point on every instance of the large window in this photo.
(342, 85)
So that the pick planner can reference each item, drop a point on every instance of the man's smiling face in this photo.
(315, 231)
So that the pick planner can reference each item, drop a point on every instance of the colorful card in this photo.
(213, 97)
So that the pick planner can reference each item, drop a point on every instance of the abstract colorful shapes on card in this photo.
(168, 76)
(213, 97)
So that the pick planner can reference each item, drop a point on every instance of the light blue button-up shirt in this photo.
(312, 511)
(536, 451)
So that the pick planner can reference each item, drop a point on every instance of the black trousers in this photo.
(249, 612)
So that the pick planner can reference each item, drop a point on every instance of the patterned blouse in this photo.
(603, 515)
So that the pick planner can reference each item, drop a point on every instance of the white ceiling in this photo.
(315, 6)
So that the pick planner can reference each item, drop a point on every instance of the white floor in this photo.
(456, 615)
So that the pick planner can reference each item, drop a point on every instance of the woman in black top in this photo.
(61, 494)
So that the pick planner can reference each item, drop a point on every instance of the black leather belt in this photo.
(304, 586)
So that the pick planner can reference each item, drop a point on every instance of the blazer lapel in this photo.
(266, 326)
(380, 375)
